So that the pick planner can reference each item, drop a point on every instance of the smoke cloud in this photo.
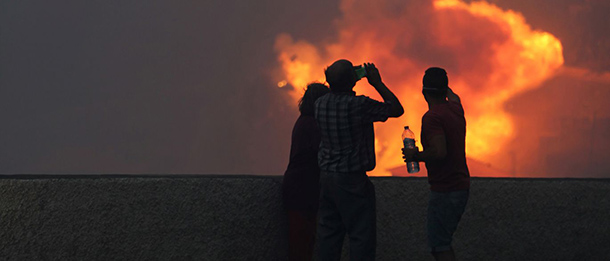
(491, 55)
(191, 87)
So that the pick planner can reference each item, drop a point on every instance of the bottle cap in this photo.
(406, 127)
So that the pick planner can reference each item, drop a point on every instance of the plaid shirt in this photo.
(348, 139)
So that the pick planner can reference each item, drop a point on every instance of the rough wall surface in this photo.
(241, 218)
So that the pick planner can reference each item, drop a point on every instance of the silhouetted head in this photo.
(341, 76)
(435, 84)
(312, 93)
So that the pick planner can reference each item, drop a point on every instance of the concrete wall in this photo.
(241, 218)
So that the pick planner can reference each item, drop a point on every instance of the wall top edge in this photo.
(245, 176)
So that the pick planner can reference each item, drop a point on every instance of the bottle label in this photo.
(409, 143)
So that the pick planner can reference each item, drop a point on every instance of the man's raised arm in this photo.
(374, 78)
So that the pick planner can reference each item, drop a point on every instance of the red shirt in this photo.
(450, 173)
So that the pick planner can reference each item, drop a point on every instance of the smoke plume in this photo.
(491, 54)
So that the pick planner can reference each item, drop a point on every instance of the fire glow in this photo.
(490, 55)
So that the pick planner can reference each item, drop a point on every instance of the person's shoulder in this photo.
(363, 97)
(324, 97)
(367, 99)
(428, 115)
(353, 99)
(306, 119)
(305, 124)
(321, 101)
(445, 108)
(435, 111)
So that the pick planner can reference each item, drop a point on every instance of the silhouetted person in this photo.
(443, 137)
(301, 183)
(347, 196)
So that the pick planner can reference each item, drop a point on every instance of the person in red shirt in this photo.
(443, 138)
(301, 183)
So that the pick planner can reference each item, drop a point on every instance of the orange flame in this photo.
(490, 54)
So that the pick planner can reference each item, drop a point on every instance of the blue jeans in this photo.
(445, 210)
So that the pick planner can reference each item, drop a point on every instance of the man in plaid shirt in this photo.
(347, 151)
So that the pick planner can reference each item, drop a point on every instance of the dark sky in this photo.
(183, 86)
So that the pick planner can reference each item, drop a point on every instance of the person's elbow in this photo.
(396, 111)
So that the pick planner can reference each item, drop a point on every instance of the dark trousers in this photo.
(301, 235)
(347, 205)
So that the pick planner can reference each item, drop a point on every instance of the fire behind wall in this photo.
(146, 87)
(528, 114)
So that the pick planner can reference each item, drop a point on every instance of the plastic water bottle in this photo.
(408, 139)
